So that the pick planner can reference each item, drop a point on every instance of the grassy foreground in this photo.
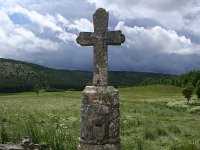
(146, 121)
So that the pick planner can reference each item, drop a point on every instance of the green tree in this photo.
(197, 92)
(198, 83)
(187, 93)
(37, 89)
(197, 89)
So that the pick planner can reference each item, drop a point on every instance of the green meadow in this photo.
(147, 123)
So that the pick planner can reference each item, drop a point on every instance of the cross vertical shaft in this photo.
(100, 72)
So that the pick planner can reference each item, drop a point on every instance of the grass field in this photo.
(146, 121)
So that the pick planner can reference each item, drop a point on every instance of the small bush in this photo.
(37, 89)
(187, 93)
(197, 92)
(194, 103)
(194, 110)
(178, 105)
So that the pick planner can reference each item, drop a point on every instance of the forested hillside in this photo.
(183, 80)
(17, 76)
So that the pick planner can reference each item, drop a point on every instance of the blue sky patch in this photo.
(20, 19)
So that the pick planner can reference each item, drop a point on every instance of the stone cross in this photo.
(100, 114)
(100, 39)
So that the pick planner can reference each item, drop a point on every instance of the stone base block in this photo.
(99, 147)
(100, 119)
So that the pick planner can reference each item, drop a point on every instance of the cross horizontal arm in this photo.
(85, 39)
(115, 38)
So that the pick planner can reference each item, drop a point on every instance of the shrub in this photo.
(37, 89)
(178, 105)
(197, 92)
(187, 93)
(195, 110)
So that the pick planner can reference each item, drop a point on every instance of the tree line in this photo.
(17, 76)
(191, 77)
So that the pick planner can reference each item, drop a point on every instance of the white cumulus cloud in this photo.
(168, 13)
(158, 39)
(81, 25)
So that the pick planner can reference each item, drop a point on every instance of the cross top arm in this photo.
(100, 39)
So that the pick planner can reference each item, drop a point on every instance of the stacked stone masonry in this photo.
(100, 119)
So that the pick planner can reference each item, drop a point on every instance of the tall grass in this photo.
(52, 119)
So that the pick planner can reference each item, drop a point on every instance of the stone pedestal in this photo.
(100, 119)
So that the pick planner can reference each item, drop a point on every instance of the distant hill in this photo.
(183, 80)
(18, 76)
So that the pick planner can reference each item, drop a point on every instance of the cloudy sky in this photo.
(161, 35)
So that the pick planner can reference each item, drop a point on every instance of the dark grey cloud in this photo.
(145, 61)
(161, 36)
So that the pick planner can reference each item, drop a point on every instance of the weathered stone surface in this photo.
(108, 95)
(99, 147)
(25, 144)
(100, 38)
(100, 116)
(10, 146)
